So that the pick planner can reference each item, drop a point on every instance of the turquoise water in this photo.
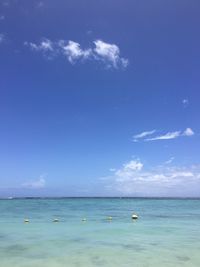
(167, 232)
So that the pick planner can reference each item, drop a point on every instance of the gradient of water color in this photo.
(167, 233)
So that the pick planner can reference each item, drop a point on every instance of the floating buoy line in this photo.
(109, 218)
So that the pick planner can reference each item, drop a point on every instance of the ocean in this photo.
(166, 234)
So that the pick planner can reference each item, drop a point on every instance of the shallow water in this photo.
(166, 234)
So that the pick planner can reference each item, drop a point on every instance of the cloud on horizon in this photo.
(106, 53)
(133, 178)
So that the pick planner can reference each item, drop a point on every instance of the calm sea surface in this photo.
(167, 232)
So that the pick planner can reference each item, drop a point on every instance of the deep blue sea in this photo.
(167, 233)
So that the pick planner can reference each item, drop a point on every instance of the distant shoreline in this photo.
(97, 197)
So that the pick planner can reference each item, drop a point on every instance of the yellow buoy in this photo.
(26, 220)
(55, 220)
(134, 216)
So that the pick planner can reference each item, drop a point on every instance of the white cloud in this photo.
(45, 45)
(132, 178)
(108, 54)
(142, 135)
(35, 184)
(188, 132)
(182, 174)
(74, 52)
(169, 135)
(128, 170)
(172, 135)
(133, 165)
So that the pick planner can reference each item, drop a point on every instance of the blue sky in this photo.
(99, 98)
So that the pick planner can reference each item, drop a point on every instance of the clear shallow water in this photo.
(167, 233)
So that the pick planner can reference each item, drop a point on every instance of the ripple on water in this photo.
(17, 250)
(14, 250)
(133, 247)
(3, 236)
(98, 261)
(183, 258)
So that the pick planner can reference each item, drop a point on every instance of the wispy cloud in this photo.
(166, 136)
(172, 135)
(169, 135)
(142, 135)
(36, 184)
(133, 177)
(2, 17)
(100, 51)
(44, 46)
